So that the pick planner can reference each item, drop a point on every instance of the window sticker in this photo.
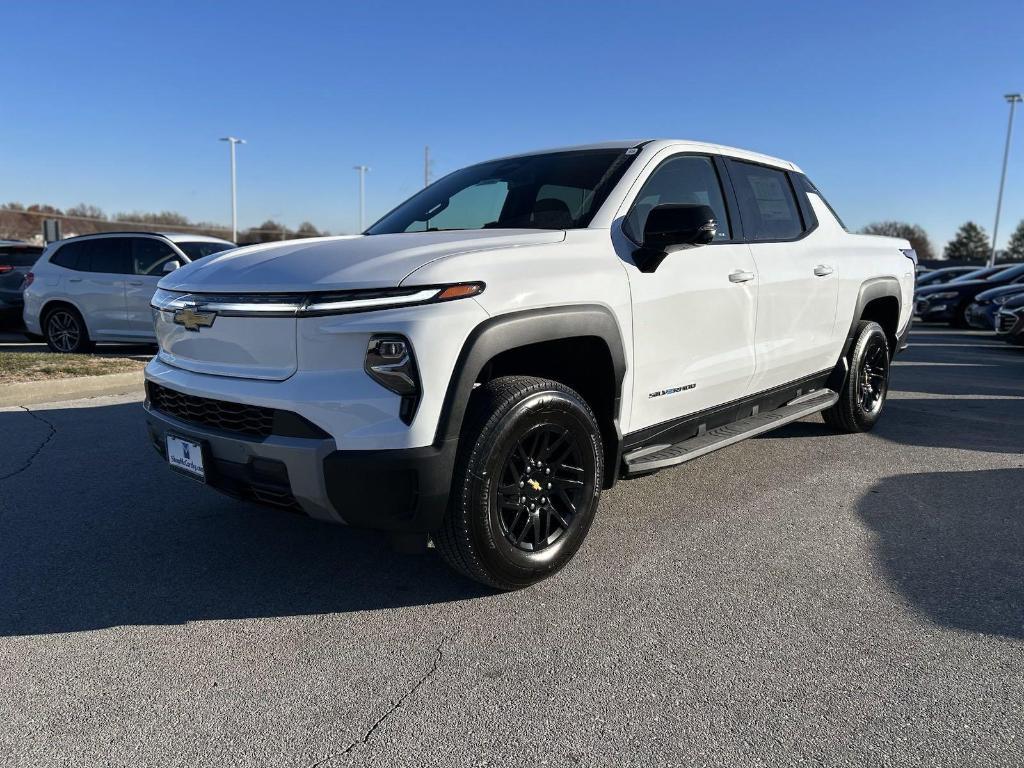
(771, 198)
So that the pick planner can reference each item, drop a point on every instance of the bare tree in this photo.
(915, 234)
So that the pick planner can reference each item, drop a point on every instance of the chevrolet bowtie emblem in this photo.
(533, 484)
(193, 319)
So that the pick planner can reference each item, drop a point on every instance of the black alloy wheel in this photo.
(872, 378)
(526, 484)
(867, 384)
(540, 488)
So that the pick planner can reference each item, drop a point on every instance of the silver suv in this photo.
(98, 287)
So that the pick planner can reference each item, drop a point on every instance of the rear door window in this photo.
(767, 202)
(109, 255)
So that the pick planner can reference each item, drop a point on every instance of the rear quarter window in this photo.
(68, 255)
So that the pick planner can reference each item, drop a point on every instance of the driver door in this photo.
(694, 316)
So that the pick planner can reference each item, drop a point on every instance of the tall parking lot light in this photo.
(1014, 99)
(234, 199)
(362, 169)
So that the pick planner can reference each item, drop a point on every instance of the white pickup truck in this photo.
(479, 364)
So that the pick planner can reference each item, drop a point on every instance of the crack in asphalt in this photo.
(39, 449)
(394, 706)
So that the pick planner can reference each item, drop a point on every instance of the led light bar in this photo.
(306, 305)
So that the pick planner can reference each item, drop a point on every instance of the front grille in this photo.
(242, 419)
(1006, 322)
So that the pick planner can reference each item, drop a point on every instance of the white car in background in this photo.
(98, 287)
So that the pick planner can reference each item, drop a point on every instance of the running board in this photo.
(656, 457)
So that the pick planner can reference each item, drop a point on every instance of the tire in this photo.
(959, 319)
(502, 528)
(861, 402)
(65, 331)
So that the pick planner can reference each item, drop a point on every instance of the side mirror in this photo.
(676, 224)
(170, 266)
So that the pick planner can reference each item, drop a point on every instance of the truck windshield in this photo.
(556, 190)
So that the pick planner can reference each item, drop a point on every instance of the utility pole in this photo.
(1014, 99)
(362, 169)
(426, 166)
(234, 199)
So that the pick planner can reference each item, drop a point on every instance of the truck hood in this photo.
(339, 263)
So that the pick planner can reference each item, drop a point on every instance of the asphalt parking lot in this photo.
(798, 599)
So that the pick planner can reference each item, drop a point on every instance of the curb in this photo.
(56, 390)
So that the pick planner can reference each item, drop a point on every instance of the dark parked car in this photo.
(1010, 321)
(16, 260)
(948, 303)
(981, 314)
(944, 275)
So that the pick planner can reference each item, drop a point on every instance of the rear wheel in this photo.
(863, 396)
(65, 331)
(527, 482)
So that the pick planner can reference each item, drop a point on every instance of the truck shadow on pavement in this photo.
(96, 532)
(984, 424)
(952, 544)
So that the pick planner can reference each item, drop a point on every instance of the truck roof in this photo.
(657, 144)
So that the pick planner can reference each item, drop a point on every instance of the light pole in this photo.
(234, 200)
(1014, 99)
(362, 169)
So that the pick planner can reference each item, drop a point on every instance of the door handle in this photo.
(74, 279)
(740, 276)
(134, 282)
(822, 270)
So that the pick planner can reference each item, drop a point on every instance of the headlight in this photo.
(1000, 300)
(362, 301)
(941, 296)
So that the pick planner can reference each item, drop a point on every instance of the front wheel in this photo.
(863, 396)
(527, 482)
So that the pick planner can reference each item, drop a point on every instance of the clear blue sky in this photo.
(895, 109)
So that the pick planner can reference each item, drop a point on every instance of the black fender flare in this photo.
(876, 288)
(517, 329)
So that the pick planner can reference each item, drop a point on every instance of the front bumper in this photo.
(394, 490)
(1010, 326)
(937, 312)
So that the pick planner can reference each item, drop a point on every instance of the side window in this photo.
(686, 179)
(109, 255)
(767, 203)
(69, 255)
(149, 255)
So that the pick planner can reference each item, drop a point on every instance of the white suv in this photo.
(478, 365)
(98, 287)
